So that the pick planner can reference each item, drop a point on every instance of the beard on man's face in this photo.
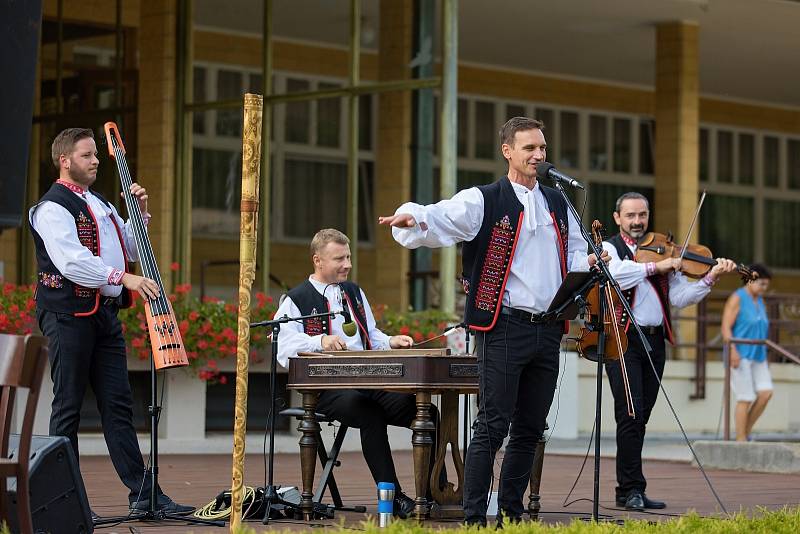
(637, 230)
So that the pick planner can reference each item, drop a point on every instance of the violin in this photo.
(587, 342)
(162, 326)
(696, 260)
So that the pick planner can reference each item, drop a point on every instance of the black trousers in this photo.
(518, 370)
(644, 390)
(372, 411)
(91, 351)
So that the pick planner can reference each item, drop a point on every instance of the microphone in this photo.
(547, 170)
(349, 327)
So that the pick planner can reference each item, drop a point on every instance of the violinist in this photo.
(82, 245)
(650, 288)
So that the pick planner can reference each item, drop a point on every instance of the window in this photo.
(298, 114)
(747, 159)
(217, 190)
(514, 110)
(229, 86)
(598, 143)
(772, 159)
(702, 154)
(318, 195)
(647, 147)
(365, 122)
(793, 163)
(724, 157)
(548, 117)
(569, 140)
(485, 128)
(199, 88)
(781, 221)
(622, 145)
(308, 152)
(329, 118)
(463, 127)
(736, 241)
(742, 185)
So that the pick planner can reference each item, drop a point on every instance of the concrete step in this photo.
(753, 456)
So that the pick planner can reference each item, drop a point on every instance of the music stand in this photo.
(569, 299)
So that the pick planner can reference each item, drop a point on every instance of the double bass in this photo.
(162, 326)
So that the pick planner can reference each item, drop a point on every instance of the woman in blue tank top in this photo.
(745, 317)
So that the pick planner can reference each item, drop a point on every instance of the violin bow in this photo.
(597, 233)
(694, 221)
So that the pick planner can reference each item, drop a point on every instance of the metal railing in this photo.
(783, 310)
(726, 350)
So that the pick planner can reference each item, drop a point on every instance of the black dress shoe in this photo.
(503, 518)
(165, 504)
(648, 503)
(653, 505)
(95, 517)
(403, 505)
(635, 501)
(477, 521)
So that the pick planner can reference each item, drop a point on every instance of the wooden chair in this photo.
(22, 364)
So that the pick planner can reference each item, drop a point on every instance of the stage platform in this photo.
(197, 479)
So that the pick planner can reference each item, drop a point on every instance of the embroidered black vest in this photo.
(660, 283)
(54, 291)
(309, 301)
(486, 260)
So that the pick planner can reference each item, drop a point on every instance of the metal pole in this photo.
(352, 137)
(726, 398)
(266, 175)
(449, 122)
(182, 233)
(60, 56)
(423, 135)
(118, 78)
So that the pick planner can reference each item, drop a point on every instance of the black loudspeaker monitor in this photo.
(20, 23)
(58, 498)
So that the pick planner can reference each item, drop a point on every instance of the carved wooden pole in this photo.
(251, 168)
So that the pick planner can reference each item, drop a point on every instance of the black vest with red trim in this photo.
(54, 291)
(660, 283)
(309, 301)
(486, 260)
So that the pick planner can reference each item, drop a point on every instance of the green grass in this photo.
(786, 520)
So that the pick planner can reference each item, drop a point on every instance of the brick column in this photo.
(393, 159)
(676, 151)
(677, 123)
(156, 124)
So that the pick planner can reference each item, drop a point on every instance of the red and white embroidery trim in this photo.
(115, 278)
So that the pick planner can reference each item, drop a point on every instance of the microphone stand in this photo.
(271, 496)
(604, 279)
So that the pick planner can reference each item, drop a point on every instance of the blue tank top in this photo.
(751, 323)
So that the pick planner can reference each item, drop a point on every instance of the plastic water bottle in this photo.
(385, 503)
